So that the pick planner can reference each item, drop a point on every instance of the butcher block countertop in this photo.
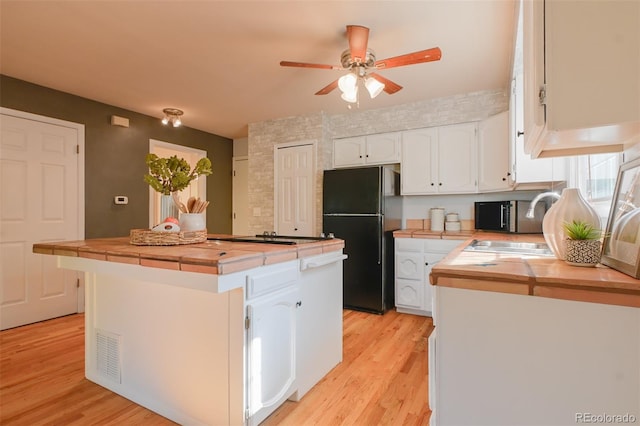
(210, 257)
(528, 275)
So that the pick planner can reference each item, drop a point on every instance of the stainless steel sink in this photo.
(537, 249)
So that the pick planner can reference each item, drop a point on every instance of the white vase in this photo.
(571, 206)
(168, 207)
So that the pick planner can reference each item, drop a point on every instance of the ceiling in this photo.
(218, 61)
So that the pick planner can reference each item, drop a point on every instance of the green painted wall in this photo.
(114, 157)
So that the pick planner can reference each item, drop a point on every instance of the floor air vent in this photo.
(108, 352)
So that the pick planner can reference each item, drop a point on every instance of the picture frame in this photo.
(621, 244)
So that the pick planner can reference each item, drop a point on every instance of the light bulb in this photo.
(177, 122)
(374, 87)
(351, 96)
(347, 83)
(165, 120)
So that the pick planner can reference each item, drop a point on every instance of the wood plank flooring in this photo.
(381, 381)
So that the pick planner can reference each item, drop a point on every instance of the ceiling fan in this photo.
(361, 63)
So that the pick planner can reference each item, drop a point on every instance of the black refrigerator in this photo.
(362, 206)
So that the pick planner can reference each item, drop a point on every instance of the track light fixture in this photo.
(172, 115)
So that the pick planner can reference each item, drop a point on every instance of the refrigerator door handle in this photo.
(380, 240)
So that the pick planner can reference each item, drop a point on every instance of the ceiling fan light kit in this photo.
(361, 64)
(172, 115)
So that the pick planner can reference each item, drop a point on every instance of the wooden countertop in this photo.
(529, 275)
(210, 257)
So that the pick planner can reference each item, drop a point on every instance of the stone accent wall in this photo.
(323, 128)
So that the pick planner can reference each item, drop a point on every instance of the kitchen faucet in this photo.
(530, 213)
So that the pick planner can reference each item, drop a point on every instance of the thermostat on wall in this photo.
(121, 199)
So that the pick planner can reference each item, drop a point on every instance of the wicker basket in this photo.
(146, 237)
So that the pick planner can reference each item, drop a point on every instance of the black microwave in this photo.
(508, 216)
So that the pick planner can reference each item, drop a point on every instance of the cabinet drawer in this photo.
(409, 244)
(440, 246)
(272, 278)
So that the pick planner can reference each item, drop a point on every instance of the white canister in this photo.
(192, 222)
(452, 226)
(437, 219)
(452, 217)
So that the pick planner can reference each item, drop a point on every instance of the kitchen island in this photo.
(531, 340)
(215, 333)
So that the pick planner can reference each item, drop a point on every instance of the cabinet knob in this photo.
(299, 303)
(503, 179)
(431, 183)
(361, 156)
(440, 184)
(295, 229)
(519, 133)
(426, 263)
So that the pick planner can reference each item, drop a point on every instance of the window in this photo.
(596, 175)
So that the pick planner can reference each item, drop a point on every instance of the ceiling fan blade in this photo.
(328, 88)
(358, 39)
(428, 55)
(389, 86)
(306, 65)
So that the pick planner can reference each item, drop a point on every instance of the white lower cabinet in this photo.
(414, 258)
(271, 340)
(293, 330)
(508, 359)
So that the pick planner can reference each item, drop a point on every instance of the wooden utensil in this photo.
(190, 204)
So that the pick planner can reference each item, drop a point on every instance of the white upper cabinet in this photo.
(419, 163)
(457, 158)
(349, 151)
(581, 68)
(381, 148)
(494, 159)
(533, 173)
(439, 160)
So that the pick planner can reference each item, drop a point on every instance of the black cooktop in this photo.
(272, 239)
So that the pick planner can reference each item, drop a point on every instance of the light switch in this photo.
(121, 199)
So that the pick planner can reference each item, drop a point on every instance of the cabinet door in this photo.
(583, 92)
(383, 148)
(533, 70)
(419, 161)
(457, 162)
(430, 260)
(349, 151)
(271, 352)
(494, 170)
(409, 294)
(528, 170)
(409, 266)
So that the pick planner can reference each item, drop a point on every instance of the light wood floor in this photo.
(381, 381)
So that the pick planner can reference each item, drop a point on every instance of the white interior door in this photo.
(295, 169)
(240, 200)
(42, 182)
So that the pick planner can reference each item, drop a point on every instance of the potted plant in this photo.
(171, 175)
(582, 243)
